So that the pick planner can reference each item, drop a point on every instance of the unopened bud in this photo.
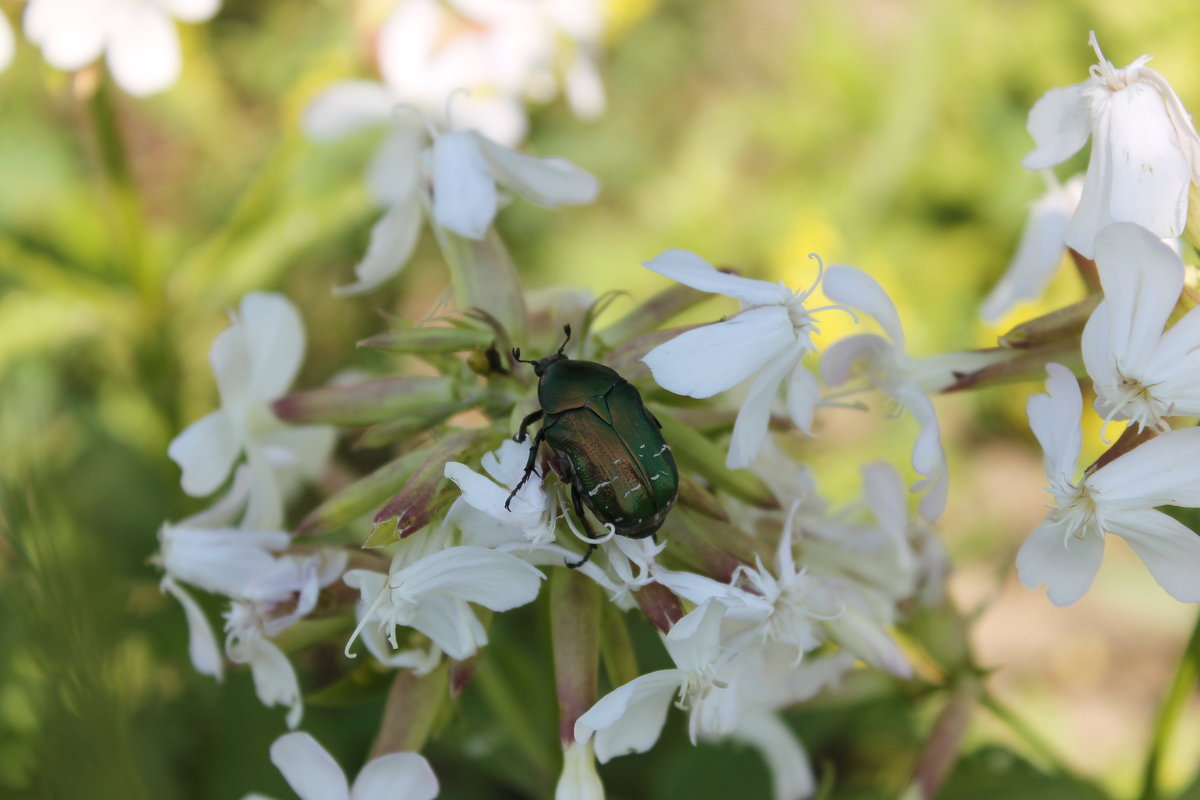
(364, 403)
(422, 495)
(652, 314)
(1064, 323)
(429, 340)
(575, 637)
(364, 495)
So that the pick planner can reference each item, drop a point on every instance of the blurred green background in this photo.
(882, 134)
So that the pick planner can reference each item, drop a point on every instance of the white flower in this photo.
(1141, 372)
(630, 718)
(453, 181)
(1145, 152)
(275, 680)
(531, 41)
(890, 369)
(579, 780)
(255, 361)
(275, 600)
(1064, 552)
(137, 36)
(1040, 250)
(314, 775)
(431, 594)
(769, 336)
(202, 642)
(528, 515)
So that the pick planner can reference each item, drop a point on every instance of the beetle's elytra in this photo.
(604, 442)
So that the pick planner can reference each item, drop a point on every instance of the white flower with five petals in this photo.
(255, 361)
(314, 775)
(1121, 497)
(1140, 371)
(770, 336)
(137, 36)
(432, 594)
(630, 718)
(453, 180)
(1145, 151)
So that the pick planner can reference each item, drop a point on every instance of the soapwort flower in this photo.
(770, 336)
(137, 37)
(1064, 552)
(1140, 371)
(255, 361)
(7, 43)
(1145, 151)
(422, 170)
(431, 594)
(314, 775)
(630, 718)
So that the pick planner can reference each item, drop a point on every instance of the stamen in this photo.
(361, 623)
(820, 274)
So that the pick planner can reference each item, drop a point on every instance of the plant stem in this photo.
(126, 206)
(1028, 734)
(1186, 676)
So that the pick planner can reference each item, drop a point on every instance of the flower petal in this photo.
(71, 34)
(791, 773)
(220, 560)
(275, 684)
(856, 354)
(1040, 251)
(393, 238)
(549, 182)
(143, 50)
(867, 639)
(308, 768)
(396, 169)
(1168, 548)
(704, 361)
(485, 577)
(630, 718)
(691, 270)
(1067, 564)
(579, 780)
(1150, 174)
(1162, 471)
(1059, 123)
(750, 427)
(273, 334)
(803, 394)
(202, 642)
(850, 286)
(464, 192)
(1054, 418)
(451, 625)
(1142, 279)
(396, 775)
(205, 451)
(345, 108)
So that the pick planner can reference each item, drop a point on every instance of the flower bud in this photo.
(651, 314)
(364, 403)
(412, 709)
(429, 340)
(1063, 323)
(363, 495)
(484, 277)
(574, 628)
(421, 497)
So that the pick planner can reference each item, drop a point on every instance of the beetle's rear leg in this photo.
(525, 423)
(529, 465)
(577, 502)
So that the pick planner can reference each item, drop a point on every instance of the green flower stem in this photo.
(1028, 734)
(129, 220)
(1182, 685)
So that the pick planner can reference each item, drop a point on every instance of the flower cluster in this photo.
(632, 501)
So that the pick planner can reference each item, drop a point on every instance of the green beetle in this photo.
(604, 442)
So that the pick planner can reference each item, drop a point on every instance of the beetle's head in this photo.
(540, 366)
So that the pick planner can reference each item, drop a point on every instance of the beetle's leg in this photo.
(525, 423)
(529, 465)
(577, 502)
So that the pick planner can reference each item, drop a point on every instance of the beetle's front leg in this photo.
(529, 465)
(525, 423)
(577, 502)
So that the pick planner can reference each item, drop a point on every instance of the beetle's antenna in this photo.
(517, 355)
(567, 331)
